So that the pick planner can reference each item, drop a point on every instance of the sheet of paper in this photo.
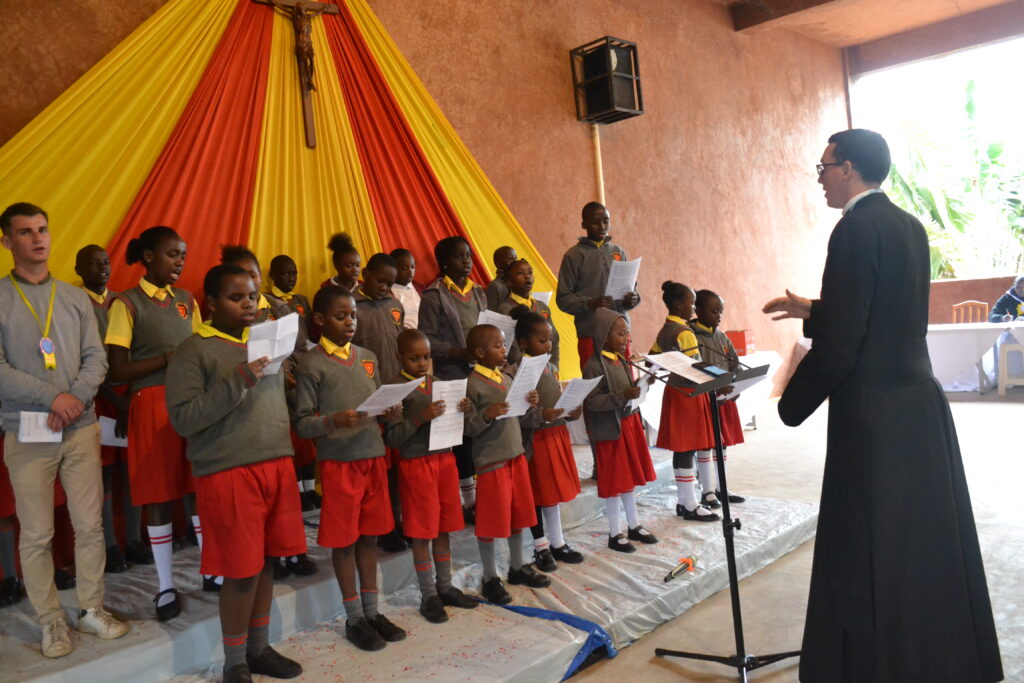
(274, 339)
(525, 381)
(386, 396)
(32, 428)
(446, 429)
(542, 296)
(503, 322)
(645, 386)
(107, 435)
(741, 386)
(574, 394)
(622, 278)
(679, 364)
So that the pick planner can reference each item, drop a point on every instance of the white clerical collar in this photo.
(853, 202)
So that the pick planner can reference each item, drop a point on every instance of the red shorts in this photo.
(104, 408)
(685, 422)
(554, 478)
(249, 513)
(732, 428)
(158, 471)
(624, 464)
(428, 490)
(504, 500)
(355, 501)
(305, 450)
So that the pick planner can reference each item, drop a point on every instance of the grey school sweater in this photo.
(584, 275)
(495, 442)
(157, 328)
(411, 434)
(229, 417)
(605, 407)
(496, 292)
(379, 322)
(446, 318)
(327, 384)
(541, 308)
(25, 384)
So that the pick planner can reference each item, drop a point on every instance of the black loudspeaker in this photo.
(606, 80)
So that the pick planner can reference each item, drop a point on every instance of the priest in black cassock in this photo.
(898, 590)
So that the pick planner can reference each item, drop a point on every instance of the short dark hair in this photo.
(401, 252)
(149, 240)
(19, 209)
(410, 335)
(704, 298)
(866, 150)
(446, 247)
(591, 206)
(478, 334)
(281, 260)
(526, 321)
(323, 298)
(671, 292)
(381, 260)
(214, 279)
(233, 253)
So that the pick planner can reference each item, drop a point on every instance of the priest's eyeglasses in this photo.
(821, 167)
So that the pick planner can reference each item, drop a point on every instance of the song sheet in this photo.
(108, 435)
(503, 322)
(622, 278)
(544, 297)
(386, 396)
(525, 381)
(274, 339)
(33, 428)
(446, 429)
(645, 385)
(679, 364)
(574, 393)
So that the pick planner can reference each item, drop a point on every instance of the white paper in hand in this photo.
(622, 278)
(446, 430)
(525, 381)
(387, 396)
(503, 322)
(574, 393)
(32, 428)
(108, 435)
(544, 297)
(274, 339)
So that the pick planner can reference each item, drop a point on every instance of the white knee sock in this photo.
(685, 493)
(611, 510)
(706, 465)
(160, 538)
(308, 484)
(629, 505)
(553, 525)
(467, 487)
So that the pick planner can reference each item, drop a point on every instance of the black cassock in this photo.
(898, 590)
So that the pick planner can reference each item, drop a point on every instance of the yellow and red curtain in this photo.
(195, 122)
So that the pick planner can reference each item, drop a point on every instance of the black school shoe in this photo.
(280, 570)
(453, 597)
(544, 560)
(567, 554)
(494, 591)
(115, 561)
(432, 609)
(10, 591)
(138, 552)
(733, 498)
(710, 500)
(300, 565)
(210, 584)
(699, 514)
(639, 533)
(529, 576)
(306, 502)
(364, 636)
(315, 498)
(387, 630)
(239, 673)
(618, 542)
(272, 663)
(392, 542)
(171, 609)
(469, 516)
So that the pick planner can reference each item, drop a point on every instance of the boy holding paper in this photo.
(428, 481)
(505, 500)
(218, 399)
(333, 381)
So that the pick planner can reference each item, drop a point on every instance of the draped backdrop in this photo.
(194, 121)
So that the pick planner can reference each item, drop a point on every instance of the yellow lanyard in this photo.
(45, 344)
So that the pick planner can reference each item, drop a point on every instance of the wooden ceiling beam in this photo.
(758, 14)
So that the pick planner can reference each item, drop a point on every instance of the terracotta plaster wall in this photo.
(714, 186)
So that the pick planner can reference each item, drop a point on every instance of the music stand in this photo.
(741, 661)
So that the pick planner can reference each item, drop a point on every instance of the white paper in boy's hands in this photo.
(544, 297)
(574, 393)
(446, 430)
(525, 381)
(622, 278)
(386, 397)
(108, 435)
(33, 428)
(503, 322)
(275, 340)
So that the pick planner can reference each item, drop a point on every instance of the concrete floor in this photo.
(787, 463)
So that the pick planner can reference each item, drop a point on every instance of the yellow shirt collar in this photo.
(283, 296)
(601, 243)
(263, 303)
(703, 326)
(154, 292)
(98, 298)
(450, 284)
(207, 330)
(676, 319)
(333, 349)
(528, 301)
(493, 375)
(610, 354)
(423, 380)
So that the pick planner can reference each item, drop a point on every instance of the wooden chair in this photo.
(970, 312)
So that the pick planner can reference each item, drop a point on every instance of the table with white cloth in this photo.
(961, 353)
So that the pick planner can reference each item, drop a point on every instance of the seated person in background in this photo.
(1010, 304)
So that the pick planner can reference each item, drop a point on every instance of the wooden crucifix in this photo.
(302, 13)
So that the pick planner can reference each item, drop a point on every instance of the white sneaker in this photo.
(101, 623)
(57, 639)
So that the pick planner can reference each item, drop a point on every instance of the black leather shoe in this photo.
(544, 560)
(115, 561)
(239, 673)
(307, 503)
(469, 516)
(567, 554)
(453, 597)
(63, 580)
(138, 552)
(10, 591)
(529, 576)
(272, 663)
(171, 609)
(300, 565)
(733, 498)
(710, 500)
(639, 533)
(432, 609)
(494, 591)
(364, 636)
(387, 630)
(392, 542)
(210, 584)
(315, 498)
(698, 514)
(280, 571)
(618, 542)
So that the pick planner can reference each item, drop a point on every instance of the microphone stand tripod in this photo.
(741, 661)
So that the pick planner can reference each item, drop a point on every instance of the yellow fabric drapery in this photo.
(305, 195)
(483, 214)
(84, 158)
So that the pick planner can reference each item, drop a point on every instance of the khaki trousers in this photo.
(33, 468)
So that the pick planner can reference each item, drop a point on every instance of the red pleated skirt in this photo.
(158, 471)
(732, 428)
(553, 474)
(624, 464)
(685, 422)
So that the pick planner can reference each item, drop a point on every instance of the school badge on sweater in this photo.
(369, 366)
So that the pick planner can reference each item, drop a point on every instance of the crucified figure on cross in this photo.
(302, 22)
